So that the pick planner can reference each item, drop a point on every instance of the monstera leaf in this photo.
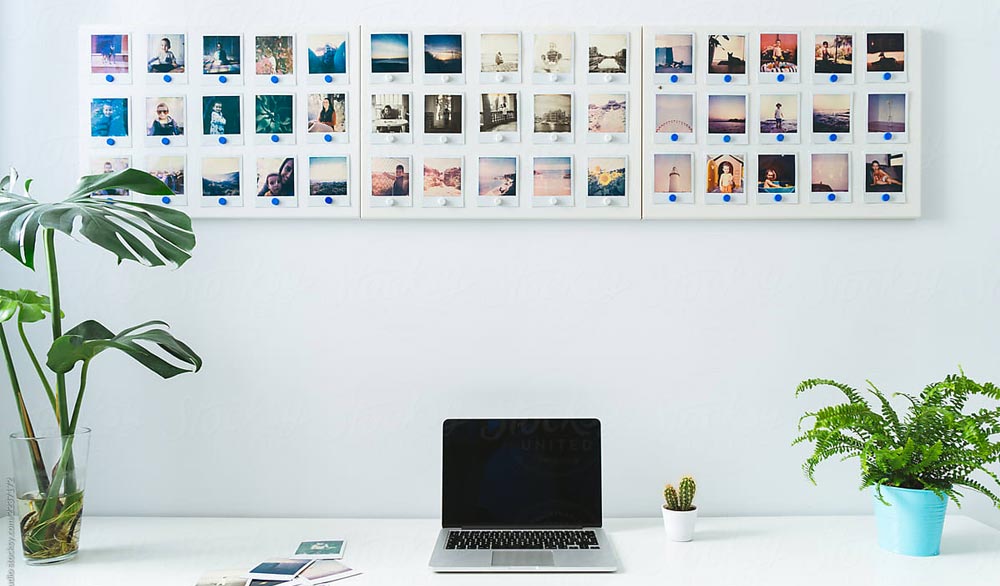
(29, 306)
(146, 233)
(90, 338)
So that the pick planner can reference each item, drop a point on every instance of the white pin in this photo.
(553, 138)
(442, 201)
(499, 77)
(390, 202)
(498, 138)
(443, 139)
(389, 77)
(607, 77)
(554, 201)
(498, 201)
(553, 77)
(390, 138)
(607, 201)
(446, 78)
(608, 138)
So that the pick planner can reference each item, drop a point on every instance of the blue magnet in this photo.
(887, 136)
(109, 199)
(328, 137)
(165, 140)
(781, 77)
(328, 78)
(223, 140)
(275, 79)
(777, 197)
(727, 197)
(832, 197)
(885, 197)
(674, 78)
(274, 138)
(673, 197)
(727, 78)
(275, 201)
(833, 138)
(110, 142)
(674, 137)
(109, 78)
(222, 201)
(328, 199)
(887, 76)
(727, 138)
(167, 78)
(222, 79)
(834, 77)
(165, 199)
(780, 138)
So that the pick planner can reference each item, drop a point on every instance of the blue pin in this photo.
(110, 142)
(222, 79)
(781, 77)
(780, 138)
(673, 197)
(727, 78)
(727, 138)
(833, 137)
(222, 201)
(109, 78)
(165, 140)
(727, 197)
(887, 136)
(328, 78)
(274, 138)
(674, 78)
(165, 199)
(167, 78)
(275, 79)
(834, 77)
(885, 197)
(674, 137)
(832, 197)
(223, 140)
(328, 199)
(275, 201)
(328, 137)
(887, 76)
(777, 197)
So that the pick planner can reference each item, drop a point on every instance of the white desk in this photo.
(748, 551)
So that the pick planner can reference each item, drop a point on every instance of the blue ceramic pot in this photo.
(912, 524)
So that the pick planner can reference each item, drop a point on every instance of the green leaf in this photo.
(131, 179)
(29, 306)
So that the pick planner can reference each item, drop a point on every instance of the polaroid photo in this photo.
(329, 185)
(221, 120)
(885, 178)
(607, 58)
(110, 58)
(390, 119)
(222, 59)
(389, 183)
(274, 59)
(109, 122)
(675, 119)
(109, 163)
(500, 58)
(553, 118)
(726, 119)
(389, 58)
(779, 118)
(887, 118)
(832, 118)
(607, 118)
(777, 176)
(553, 58)
(223, 578)
(274, 116)
(443, 58)
(673, 59)
(327, 58)
(831, 178)
(257, 582)
(170, 170)
(724, 179)
(779, 58)
(552, 181)
(443, 182)
(166, 58)
(497, 182)
(833, 59)
(498, 118)
(886, 57)
(325, 572)
(221, 182)
(279, 569)
(443, 118)
(607, 182)
(166, 121)
(275, 182)
(326, 118)
(727, 59)
(673, 178)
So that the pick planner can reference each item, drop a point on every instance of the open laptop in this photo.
(522, 495)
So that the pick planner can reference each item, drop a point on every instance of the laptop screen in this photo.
(521, 473)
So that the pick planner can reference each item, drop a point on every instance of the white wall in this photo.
(334, 349)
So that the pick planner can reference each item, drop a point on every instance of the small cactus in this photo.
(670, 495)
(682, 497)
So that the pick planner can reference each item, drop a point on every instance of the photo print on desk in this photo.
(166, 53)
(109, 164)
(831, 177)
(221, 55)
(500, 57)
(109, 54)
(674, 118)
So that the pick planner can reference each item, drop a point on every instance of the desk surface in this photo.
(745, 551)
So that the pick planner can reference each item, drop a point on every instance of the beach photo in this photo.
(834, 53)
(831, 172)
(99, 165)
(498, 113)
(727, 114)
(497, 176)
(220, 176)
(221, 55)
(109, 54)
(779, 53)
(776, 173)
(390, 53)
(886, 52)
(443, 176)
(724, 174)
(886, 112)
(552, 176)
(326, 113)
(554, 53)
(166, 53)
(553, 113)
(327, 54)
(274, 55)
(443, 114)
(442, 54)
(390, 113)
(390, 176)
(221, 115)
(169, 170)
(606, 176)
(606, 113)
(673, 53)
(884, 173)
(779, 114)
(674, 113)
(727, 54)
(672, 173)
(500, 53)
(832, 113)
(607, 53)
(274, 113)
(328, 176)
(275, 176)
(165, 116)
(109, 117)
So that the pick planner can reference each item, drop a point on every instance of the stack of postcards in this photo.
(314, 563)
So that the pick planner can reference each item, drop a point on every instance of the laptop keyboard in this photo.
(514, 539)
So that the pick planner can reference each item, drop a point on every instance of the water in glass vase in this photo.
(55, 539)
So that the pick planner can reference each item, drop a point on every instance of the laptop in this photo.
(522, 495)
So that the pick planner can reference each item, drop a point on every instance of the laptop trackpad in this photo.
(522, 558)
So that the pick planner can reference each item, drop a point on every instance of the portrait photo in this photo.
(169, 170)
(884, 173)
(109, 54)
(500, 53)
(554, 53)
(166, 53)
(553, 113)
(220, 176)
(834, 54)
(498, 113)
(109, 117)
(606, 113)
(552, 176)
(779, 53)
(497, 176)
(727, 54)
(443, 114)
(724, 174)
(442, 54)
(221, 55)
(607, 53)
(274, 55)
(391, 176)
(326, 113)
(165, 116)
(275, 176)
(390, 113)
(776, 173)
(672, 173)
(221, 115)
(443, 176)
(327, 54)
(673, 53)
(328, 176)
(390, 53)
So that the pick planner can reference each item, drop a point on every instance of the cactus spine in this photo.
(670, 495)
(682, 497)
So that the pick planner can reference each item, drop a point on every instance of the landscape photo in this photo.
(673, 53)
(779, 114)
(443, 53)
(831, 172)
(886, 52)
(607, 53)
(327, 54)
(606, 176)
(220, 176)
(390, 176)
(500, 53)
(832, 113)
(328, 176)
(497, 176)
(675, 113)
(443, 176)
(390, 52)
(606, 113)
(672, 173)
(834, 54)
(169, 170)
(727, 114)
(552, 176)
(553, 112)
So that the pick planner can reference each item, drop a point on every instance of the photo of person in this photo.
(554, 53)
(553, 176)
(326, 113)
(166, 53)
(275, 176)
(606, 113)
(274, 56)
(832, 113)
(727, 114)
(498, 113)
(553, 113)
(274, 114)
(443, 114)
(831, 172)
(779, 114)
(390, 52)
(390, 113)
(328, 176)
(497, 176)
(779, 53)
(99, 165)
(884, 173)
(834, 53)
(724, 174)
(327, 54)
(675, 113)
(221, 115)
(776, 173)
(673, 53)
(109, 54)
(886, 52)
(220, 55)
(442, 54)
(500, 53)
(606, 176)
(607, 53)
(220, 176)
(443, 176)
(165, 116)
(109, 117)
(672, 173)
(169, 170)
(390, 176)
(886, 112)
(727, 54)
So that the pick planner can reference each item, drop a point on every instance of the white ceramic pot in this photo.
(679, 525)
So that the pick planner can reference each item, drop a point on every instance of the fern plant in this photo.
(936, 444)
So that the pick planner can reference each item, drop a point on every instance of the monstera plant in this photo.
(149, 234)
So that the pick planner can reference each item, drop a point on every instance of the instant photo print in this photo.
(390, 119)
(274, 116)
(833, 58)
(779, 118)
(221, 181)
(607, 181)
(389, 58)
(885, 178)
(500, 58)
(498, 118)
(166, 58)
(389, 182)
(674, 119)
(109, 122)
(170, 169)
(673, 178)
(553, 118)
(887, 118)
(726, 118)
(498, 180)
(222, 59)
(831, 178)
(326, 118)
(673, 58)
(442, 182)
(885, 59)
(607, 57)
(443, 58)
(724, 179)
(607, 118)
(329, 181)
(832, 118)
(327, 58)
(779, 58)
(553, 57)
(221, 120)
(275, 185)
(726, 56)
(274, 59)
(443, 119)
(777, 176)
(552, 181)
(110, 59)
(166, 121)
(109, 162)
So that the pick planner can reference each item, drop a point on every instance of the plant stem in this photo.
(29, 432)
(79, 396)
(38, 369)
(53, 270)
